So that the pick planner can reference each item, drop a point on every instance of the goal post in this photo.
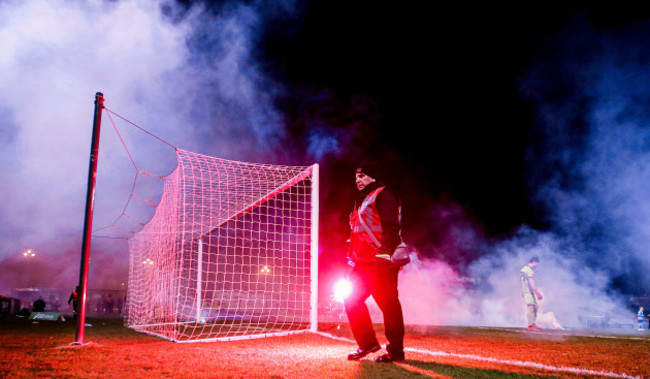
(315, 211)
(230, 253)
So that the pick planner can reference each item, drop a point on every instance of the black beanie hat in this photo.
(372, 168)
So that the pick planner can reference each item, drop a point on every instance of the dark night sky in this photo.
(444, 81)
(445, 85)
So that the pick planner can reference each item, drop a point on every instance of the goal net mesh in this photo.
(230, 253)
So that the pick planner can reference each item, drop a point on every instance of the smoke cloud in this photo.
(593, 185)
(433, 292)
(186, 74)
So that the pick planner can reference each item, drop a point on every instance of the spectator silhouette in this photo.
(39, 306)
(109, 304)
(74, 298)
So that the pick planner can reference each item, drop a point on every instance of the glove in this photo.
(539, 295)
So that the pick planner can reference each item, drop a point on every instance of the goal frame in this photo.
(168, 328)
(313, 171)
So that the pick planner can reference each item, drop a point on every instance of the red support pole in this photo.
(88, 221)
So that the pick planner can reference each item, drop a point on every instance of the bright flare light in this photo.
(342, 289)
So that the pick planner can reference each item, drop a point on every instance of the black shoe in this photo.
(360, 353)
(388, 357)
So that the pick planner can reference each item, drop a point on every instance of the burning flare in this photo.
(342, 289)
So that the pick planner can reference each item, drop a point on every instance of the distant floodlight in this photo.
(342, 289)
(147, 261)
(29, 253)
(265, 270)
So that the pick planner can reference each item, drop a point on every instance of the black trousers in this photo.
(379, 280)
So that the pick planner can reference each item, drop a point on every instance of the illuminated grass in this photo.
(30, 350)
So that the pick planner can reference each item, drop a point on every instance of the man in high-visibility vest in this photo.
(372, 273)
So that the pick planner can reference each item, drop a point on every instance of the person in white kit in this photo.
(530, 292)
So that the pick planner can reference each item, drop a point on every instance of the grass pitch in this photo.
(44, 350)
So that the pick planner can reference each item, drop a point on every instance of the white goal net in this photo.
(230, 253)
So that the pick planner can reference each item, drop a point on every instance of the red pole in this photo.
(88, 221)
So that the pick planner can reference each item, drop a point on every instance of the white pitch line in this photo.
(512, 362)
(573, 370)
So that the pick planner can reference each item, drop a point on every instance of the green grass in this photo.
(44, 350)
